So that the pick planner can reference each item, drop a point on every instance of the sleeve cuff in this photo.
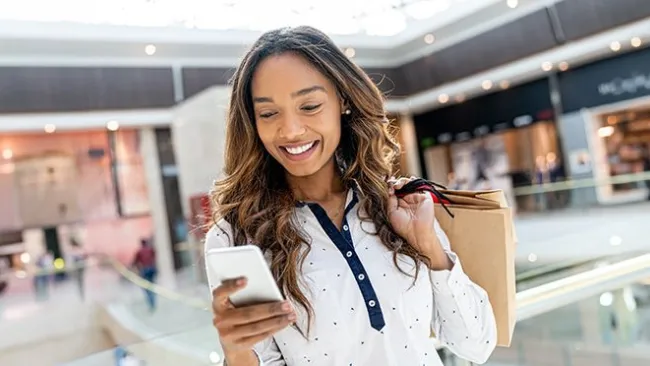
(445, 281)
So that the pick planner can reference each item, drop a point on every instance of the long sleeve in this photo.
(269, 354)
(463, 319)
(267, 351)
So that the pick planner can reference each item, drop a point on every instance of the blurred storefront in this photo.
(498, 141)
(66, 189)
(606, 125)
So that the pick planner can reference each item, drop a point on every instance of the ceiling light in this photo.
(25, 258)
(150, 49)
(505, 84)
(606, 299)
(605, 131)
(49, 128)
(512, 3)
(214, 357)
(429, 38)
(486, 85)
(7, 154)
(563, 66)
(615, 46)
(636, 42)
(532, 257)
(612, 120)
(443, 98)
(547, 66)
(113, 125)
(615, 241)
(350, 52)
(460, 98)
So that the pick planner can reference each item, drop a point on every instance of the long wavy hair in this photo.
(254, 197)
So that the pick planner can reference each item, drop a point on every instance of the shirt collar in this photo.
(351, 200)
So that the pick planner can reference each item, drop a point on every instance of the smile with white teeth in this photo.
(296, 150)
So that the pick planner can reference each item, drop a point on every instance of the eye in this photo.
(311, 107)
(265, 115)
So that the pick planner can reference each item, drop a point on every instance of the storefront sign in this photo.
(619, 86)
(608, 81)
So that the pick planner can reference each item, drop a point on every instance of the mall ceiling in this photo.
(411, 45)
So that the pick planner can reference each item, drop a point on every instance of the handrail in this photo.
(581, 286)
(569, 184)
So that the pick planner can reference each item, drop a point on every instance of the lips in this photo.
(299, 149)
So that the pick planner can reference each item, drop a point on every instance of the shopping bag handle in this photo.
(423, 185)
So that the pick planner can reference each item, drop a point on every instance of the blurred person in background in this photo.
(77, 258)
(555, 171)
(453, 182)
(308, 161)
(44, 272)
(145, 263)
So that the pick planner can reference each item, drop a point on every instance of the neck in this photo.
(318, 187)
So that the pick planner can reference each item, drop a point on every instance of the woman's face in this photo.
(297, 113)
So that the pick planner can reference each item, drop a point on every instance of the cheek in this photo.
(266, 136)
(332, 131)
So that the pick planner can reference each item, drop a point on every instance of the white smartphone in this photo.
(243, 261)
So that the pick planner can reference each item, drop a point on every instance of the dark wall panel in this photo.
(510, 42)
(581, 18)
(196, 79)
(54, 89)
(389, 80)
(607, 81)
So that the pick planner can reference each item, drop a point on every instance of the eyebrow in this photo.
(295, 94)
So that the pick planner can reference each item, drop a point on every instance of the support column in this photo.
(409, 142)
(161, 237)
(198, 135)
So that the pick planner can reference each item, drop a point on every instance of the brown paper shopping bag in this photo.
(481, 233)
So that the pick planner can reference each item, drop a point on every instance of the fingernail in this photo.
(291, 317)
(286, 306)
(241, 281)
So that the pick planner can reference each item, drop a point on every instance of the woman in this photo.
(367, 276)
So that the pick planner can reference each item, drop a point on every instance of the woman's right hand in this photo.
(241, 328)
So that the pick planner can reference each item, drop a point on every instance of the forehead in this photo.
(285, 74)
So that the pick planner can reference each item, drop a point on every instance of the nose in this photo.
(292, 128)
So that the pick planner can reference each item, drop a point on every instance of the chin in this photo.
(301, 172)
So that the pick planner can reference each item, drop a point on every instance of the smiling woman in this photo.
(308, 162)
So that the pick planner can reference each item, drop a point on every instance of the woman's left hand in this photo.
(412, 216)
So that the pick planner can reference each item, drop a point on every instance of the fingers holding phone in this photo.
(242, 327)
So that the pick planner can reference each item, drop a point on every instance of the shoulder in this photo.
(219, 236)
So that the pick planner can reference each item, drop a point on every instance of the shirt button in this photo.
(371, 303)
(348, 254)
(361, 277)
(345, 227)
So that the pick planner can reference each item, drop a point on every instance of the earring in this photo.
(347, 111)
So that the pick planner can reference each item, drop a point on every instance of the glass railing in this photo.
(183, 329)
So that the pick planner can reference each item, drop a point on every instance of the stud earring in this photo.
(347, 111)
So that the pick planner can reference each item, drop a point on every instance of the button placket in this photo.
(342, 239)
